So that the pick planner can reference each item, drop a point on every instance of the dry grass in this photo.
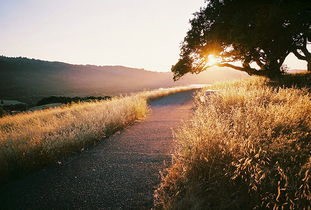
(32, 140)
(246, 147)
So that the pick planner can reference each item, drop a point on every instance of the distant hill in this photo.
(29, 80)
(297, 71)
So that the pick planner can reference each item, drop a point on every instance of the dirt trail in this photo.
(121, 172)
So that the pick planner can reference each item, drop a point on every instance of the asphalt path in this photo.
(120, 172)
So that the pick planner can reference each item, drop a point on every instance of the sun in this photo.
(211, 60)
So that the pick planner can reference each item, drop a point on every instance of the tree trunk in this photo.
(309, 65)
(273, 69)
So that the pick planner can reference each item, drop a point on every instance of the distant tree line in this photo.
(67, 100)
(261, 32)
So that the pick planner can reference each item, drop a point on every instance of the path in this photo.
(121, 172)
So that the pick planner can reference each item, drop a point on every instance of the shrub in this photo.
(1, 112)
(67, 100)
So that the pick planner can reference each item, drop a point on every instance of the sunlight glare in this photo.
(211, 60)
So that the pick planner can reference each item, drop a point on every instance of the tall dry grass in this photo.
(246, 147)
(34, 139)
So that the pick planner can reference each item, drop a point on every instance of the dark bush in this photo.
(67, 100)
(2, 112)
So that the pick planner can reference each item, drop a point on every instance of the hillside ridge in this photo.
(29, 80)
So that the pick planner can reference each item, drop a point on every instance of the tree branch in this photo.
(304, 48)
(298, 55)
(282, 58)
(259, 63)
(247, 70)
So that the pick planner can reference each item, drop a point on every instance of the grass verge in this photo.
(246, 147)
(31, 140)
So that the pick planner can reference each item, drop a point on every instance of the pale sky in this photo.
(135, 33)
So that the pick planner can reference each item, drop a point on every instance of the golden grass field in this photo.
(33, 139)
(246, 147)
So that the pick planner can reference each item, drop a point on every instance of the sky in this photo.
(134, 33)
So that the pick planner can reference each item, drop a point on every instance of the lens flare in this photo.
(211, 60)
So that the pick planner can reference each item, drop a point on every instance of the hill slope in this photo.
(29, 80)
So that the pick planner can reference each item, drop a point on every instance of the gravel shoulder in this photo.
(120, 172)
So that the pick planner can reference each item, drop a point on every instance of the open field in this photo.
(248, 146)
(32, 140)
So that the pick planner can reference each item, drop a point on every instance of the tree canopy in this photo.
(252, 36)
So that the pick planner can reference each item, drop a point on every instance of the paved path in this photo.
(121, 172)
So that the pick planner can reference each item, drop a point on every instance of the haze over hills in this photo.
(29, 80)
